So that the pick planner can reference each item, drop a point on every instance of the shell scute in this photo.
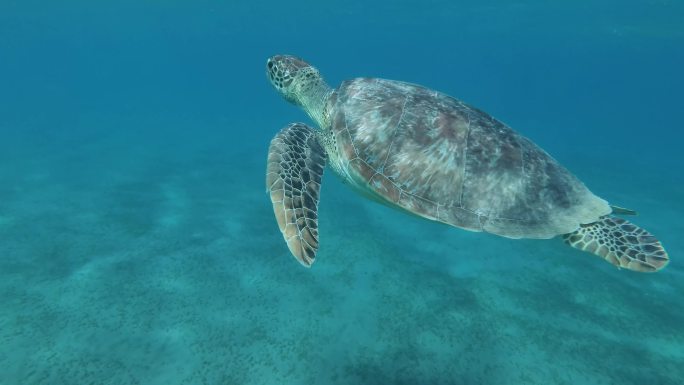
(436, 157)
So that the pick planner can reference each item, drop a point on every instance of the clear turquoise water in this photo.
(137, 245)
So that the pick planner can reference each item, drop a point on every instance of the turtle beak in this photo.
(271, 69)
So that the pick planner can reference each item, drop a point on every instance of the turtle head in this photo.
(292, 77)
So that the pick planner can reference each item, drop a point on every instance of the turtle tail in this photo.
(621, 243)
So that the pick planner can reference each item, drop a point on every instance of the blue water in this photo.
(138, 246)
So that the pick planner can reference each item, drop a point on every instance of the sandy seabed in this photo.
(134, 264)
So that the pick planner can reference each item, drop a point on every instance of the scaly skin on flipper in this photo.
(293, 178)
(621, 243)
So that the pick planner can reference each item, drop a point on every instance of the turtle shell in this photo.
(441, 159)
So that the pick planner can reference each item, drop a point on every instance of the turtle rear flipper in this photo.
(293, 179)
(621, 243)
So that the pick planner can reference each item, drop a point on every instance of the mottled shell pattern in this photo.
(441, 159)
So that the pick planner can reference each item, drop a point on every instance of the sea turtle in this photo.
(433, 156)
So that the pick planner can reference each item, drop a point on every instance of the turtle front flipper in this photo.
(621, 243)
(293, 178)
